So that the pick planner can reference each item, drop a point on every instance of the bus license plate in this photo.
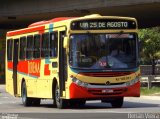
(107, 91)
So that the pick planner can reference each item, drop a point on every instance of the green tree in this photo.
(150, 39)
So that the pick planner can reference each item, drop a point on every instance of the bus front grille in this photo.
(105, 74)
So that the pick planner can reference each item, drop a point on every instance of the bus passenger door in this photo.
(62, 63)
(15, 63)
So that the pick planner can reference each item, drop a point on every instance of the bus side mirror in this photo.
(65, 42)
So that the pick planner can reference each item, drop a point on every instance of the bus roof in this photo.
(50, 21)
(37, 26)
(40, 26)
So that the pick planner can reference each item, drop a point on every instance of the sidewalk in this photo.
(2, 86)
(151, 97)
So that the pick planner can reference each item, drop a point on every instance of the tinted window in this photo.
(53, 44)
(29, 50)
(22, 48)
(45, 45)
(36, 46)
(9, 49)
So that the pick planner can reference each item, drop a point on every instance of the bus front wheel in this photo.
(117, 103)
(60, 103)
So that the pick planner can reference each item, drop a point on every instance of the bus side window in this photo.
(9, 49)
(45, 45)
(53, 44)
(29, 50)
(22, 48)
(36, 48)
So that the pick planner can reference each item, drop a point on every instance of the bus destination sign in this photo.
(103, 24)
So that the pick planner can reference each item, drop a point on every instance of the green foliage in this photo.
(152, 91)
(150, 39)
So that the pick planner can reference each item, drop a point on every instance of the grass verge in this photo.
(152, 91)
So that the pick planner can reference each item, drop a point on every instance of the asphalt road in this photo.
(139, 107)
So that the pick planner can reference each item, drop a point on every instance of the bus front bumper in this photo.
(97, 93)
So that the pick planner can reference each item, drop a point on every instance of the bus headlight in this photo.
(78, 82)
(133, 81)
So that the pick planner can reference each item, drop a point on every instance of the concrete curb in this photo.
(150, 97)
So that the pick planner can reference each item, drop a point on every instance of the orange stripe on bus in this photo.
(40, 29)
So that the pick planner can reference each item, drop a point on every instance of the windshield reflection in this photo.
(102, 51)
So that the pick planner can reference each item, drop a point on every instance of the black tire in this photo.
(60, 103)
(53, 95)
(25, 100)
(117, 103)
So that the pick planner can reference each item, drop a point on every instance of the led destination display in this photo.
(103, 24)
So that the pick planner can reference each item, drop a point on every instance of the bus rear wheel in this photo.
(117, 103)
(60, 103)
(25, 100)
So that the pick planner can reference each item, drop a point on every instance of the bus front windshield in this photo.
(103, 51)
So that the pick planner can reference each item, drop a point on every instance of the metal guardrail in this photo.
(150, 79)
(147, 70)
